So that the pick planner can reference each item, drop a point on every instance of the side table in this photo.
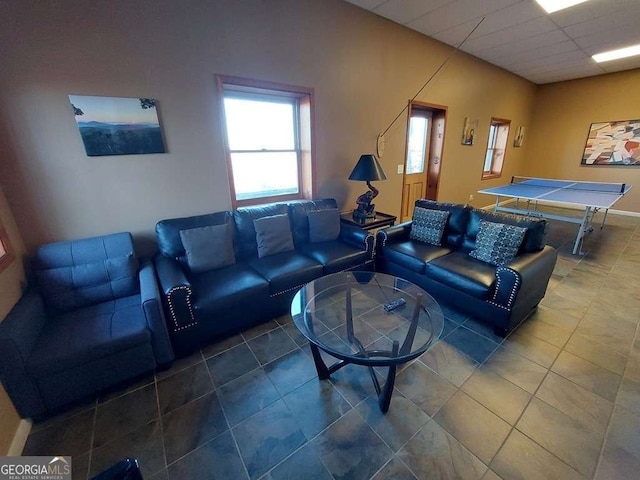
(381, 220)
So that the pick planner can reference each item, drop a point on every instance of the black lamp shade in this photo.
(367, 169)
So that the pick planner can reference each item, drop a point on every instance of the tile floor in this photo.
(558, 399)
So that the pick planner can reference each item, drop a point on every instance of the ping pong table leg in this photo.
(581, 231)
(604, 218)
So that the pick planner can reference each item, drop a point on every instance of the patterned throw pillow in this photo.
(428, 225)
(497, 243)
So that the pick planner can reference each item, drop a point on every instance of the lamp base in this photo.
(357, 215)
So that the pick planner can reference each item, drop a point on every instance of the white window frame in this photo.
(494, 158)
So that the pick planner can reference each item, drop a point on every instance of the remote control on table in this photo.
(395, 304)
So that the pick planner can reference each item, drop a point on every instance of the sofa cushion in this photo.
(428, 225)
(168, 232)
(324, 225)
(299, 212)
(209, 247)
(456, 226)
(230, 287)
(413, 255)
(460, 271)
(244, 217)
(273, 235)
(286, 270)
(336, 256)
(87, 334)
(497, 243)
(77, 286)
(534, 238)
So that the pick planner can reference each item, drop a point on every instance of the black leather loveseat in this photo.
(203, 303)
(501, 295)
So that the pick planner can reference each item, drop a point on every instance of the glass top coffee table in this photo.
(344, 315)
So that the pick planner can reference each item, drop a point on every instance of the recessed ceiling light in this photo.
(551, 6)
(616, 54)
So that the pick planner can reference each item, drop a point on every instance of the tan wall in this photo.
(564, 111)
(363, 69)
(11, 282)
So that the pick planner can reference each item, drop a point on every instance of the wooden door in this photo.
(416, 159)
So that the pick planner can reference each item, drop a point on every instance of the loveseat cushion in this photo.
(286, 270)
(244, 218)
(534, 238)
(299, 212)
(87, 334)
(336, 256)
(228, 287)
(428, 225)
(273, 235)
(456, 223)
(76, 286)
(497, 243)
(460, 271)
(413, 255)
(209, 247)
(324, 225)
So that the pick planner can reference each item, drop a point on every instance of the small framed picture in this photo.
(469, 131)
(519, 138)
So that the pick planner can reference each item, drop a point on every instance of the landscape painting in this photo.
(117, 126)
(613, 143)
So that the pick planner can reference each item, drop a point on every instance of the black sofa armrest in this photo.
(397, 233)
(19, 332)
(151, 301)
(357, 237)
(524, 278)
(177, 293)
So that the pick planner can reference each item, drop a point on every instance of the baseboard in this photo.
(19, 439)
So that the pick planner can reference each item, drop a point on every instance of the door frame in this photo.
(438, 111)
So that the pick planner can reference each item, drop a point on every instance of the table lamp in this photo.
(367, 170)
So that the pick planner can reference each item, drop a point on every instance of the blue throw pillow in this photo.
(273, 235)
(208, 248)
(428, 225)
(497, 243)
(324, 225)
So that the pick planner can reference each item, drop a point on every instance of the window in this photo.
(268, 140)
(6, 255)
(496, 148)
(417, 143)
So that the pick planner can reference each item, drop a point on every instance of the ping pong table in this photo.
(592, 196)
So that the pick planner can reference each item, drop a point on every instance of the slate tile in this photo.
(367, 453)
(291, 371)
(267, 438)
(303, 463)
(434, 453)
(448, 362)
(424, 387)
(623, 431)
(271, 345)
(396, 470)
(518, 370)
(217, 460)
(222, 345)
(588, 375)
(231, 364)
(533, 348)
(629, 395)
(474, 346)
(247, 395)
(127, 387)
(259, 330)
(180, 364)
(192, 425)
(587, 348)
(183, 387)
(473, 425)
(71, 437)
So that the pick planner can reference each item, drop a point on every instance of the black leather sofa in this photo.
(218, 302)
(502, 296)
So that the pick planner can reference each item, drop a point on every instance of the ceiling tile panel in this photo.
(455, 13)
(617, 20)
(524, 46)
(403, 11)
(516, 32)
(367, 4)
(541, 54)
(591, 10)
(558, 58)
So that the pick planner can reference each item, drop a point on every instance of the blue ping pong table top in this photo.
(593, 194)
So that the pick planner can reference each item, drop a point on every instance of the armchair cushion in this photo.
(324, 225)
(428, 225)
(209, 247)
(84, 335)
(77, 286)
(497, 243)
(273, 235)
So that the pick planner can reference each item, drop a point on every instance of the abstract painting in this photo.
(117, 126)
(613, 143)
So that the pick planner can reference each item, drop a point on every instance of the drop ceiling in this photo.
(519, 36)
